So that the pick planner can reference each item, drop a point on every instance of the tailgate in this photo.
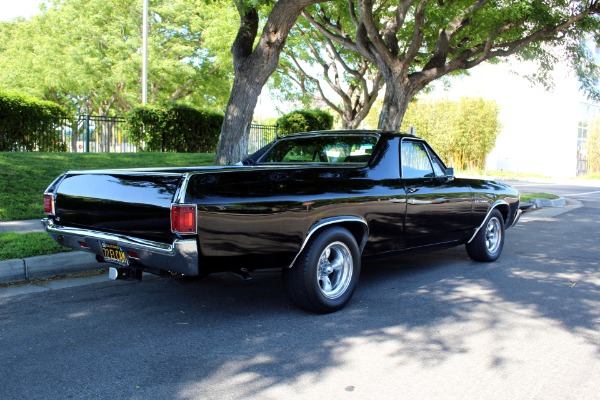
(124, 202)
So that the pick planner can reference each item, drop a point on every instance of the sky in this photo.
(10, 9)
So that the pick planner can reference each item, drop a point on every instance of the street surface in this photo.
(432, 326)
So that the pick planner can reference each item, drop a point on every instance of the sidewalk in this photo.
(18, 270)
(31, 225)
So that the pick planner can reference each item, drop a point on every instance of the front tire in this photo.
(324, 277)
(489, 241)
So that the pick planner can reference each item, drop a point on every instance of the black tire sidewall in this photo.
(308, 263)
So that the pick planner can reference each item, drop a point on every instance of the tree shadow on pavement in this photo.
(223, 335)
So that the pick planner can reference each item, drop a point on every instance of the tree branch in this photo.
(489, 49)
(372, 33)
(417, 37)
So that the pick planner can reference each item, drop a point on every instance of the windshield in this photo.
(322, 149)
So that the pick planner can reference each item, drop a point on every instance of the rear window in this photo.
(356, 149)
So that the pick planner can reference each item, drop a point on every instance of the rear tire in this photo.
(325, 275)
(489, 241)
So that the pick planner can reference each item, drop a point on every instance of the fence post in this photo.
(87, 133)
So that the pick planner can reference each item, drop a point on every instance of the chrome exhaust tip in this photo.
(113, 273)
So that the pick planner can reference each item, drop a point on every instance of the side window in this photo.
(438, 165)
(415, 161)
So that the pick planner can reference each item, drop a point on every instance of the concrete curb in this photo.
(539, 203)
(47, 266)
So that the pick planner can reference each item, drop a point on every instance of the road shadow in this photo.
(225, 335)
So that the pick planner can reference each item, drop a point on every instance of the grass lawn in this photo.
(527, 197)
(25, 176)
(21, 245)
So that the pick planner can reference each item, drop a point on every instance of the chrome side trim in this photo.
(331, 221)
(492, 208)
(180, 256)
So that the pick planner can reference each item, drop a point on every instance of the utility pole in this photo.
(145, 55)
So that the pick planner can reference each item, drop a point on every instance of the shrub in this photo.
(175, 127)
(305, 121)
(29, 124)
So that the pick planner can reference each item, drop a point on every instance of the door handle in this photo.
(411, 190)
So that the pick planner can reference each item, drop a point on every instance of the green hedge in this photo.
(175, 127)
(305, 121)
(29, 124)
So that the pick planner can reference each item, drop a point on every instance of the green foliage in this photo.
(305, 121)
(86, 54)
(528, 197)
(25, 176)
(462, 132)
(416, 42)
(313, 69)
(175, 127)
(29, 124)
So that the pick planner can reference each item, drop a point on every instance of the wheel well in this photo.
(504, 210)
(356, 226)
(359, 230)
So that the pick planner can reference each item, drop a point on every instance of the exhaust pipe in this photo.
(114, 273)
(124, 273)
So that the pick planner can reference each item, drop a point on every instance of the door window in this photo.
(415, 161)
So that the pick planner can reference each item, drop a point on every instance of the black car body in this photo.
(312, 204)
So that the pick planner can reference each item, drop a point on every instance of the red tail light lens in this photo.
(183, 218)
(48, 204)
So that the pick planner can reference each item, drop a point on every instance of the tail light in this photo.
(183, 218)
(49, 204)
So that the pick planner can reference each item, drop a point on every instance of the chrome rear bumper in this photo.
(181, 256)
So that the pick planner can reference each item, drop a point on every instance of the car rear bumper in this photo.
(181, 256)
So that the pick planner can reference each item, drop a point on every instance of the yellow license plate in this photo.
(114, 254)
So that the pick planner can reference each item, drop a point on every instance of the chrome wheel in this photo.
(334, 272)
(487, 245)
(493, 235)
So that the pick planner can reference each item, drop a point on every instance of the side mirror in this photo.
(450, 173)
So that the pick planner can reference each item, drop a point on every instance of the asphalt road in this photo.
(434, 326)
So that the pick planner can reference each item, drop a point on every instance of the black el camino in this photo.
(312, 204)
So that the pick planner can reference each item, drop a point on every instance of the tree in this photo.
(593, 147)
(254, 60)
(86, 54)
(462, 132)
(314, 68)
(414, 42)
(304, 121)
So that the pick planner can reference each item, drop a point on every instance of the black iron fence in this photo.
(260, 135)
(95, 134)
(101, 134)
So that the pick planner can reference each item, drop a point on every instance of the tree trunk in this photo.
(233, 142)
(395, 102)
(253, 66)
